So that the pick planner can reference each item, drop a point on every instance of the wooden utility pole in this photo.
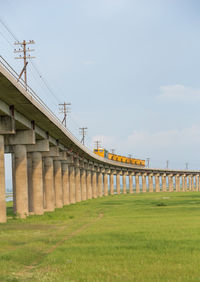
(65, 110)
(25, 56)
(83, 133)
(97, 143)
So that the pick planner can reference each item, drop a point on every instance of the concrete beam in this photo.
(53, 152)
(22, 137)
(7, 125)
(40, 146)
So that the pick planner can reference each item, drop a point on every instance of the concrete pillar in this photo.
(71, 185)
(157, 182)
(65, 183)
(170, 182)
(105, 184)
(89, 188)
(83, 185)
(58, 184)
(94, 184)
(164, 184)
(111, 183)
(49, 203)
(37, 183)
(124, 183)
(130, 183)
(190, 182)
(183, 183)
(177, 183)
(2, 182)
(137, 183)
(118, 182)
(21, 180)
(150, 181)
(144, 183)
(100, 190)
(186, 183)
(30, 186)
(77, 184)
(197, 183)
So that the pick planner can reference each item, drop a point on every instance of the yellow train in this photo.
(105, 154)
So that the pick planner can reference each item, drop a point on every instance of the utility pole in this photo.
(97, 143)
(148, 162)
(83, 133)
(130, 156)
(65, 110)
(186, 166)
(25, 56)
(113, 151)
(167, 164)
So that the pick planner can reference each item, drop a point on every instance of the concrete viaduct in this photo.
(51, 168)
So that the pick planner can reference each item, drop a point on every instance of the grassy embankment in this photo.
(145, 237)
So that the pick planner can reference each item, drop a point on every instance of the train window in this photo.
(101, 151)
(96, 150)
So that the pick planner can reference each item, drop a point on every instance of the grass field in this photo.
(144, 237)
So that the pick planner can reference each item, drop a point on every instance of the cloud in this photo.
(179, 93)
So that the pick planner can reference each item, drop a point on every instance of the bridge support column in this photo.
(111, 183)
(150, 182)
(124, 182)
(164, 184)
(58, 184)
(144, 183)
(105, 184)
(94, 184)
(118, 182)
(186, 182)
(83, 185)
(157, 182)
(177, 180)
(71, 184)
(170, 182)
(49, 203)
(137, 183)
(37, 183)
(21, 180)
(130, 183)
(77, 184)
(183, 183)
(2, 182)
(65, 183)
(197, 183)
(100, 190)
(30, 186)
(190, 182)
(89, 188)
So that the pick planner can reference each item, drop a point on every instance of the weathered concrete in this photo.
(118, 182)
(111, 183)
(30, 186)
(190, 182)
(77, 184)
(65, 183)
(21, 181)
(124, 183)
(94, 184)
(37, 183)
(105, 184)
(164, 183)
(89, 187)
(137, 183)
(177, 182)
(130, 183)
(49, 199)
(157, 182)
(58, 184)
(71, 185)
(100, 188)
(183, 182)
(150, 182)
(170, 182)
(197, 183)
(83, 185)
(144, 183)
(2, 182)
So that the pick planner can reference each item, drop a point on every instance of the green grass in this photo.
(144, 237)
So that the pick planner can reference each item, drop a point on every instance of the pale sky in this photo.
(130, 69)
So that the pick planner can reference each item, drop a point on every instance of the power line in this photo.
(83, 133)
